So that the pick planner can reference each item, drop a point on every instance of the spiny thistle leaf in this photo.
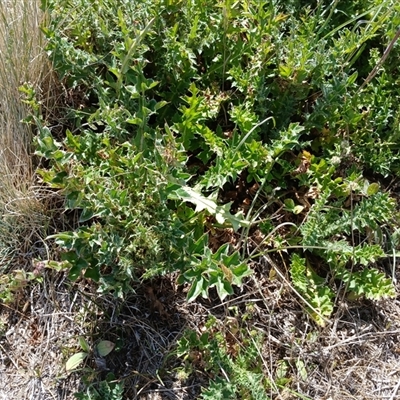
(221, 213)
(312, 288)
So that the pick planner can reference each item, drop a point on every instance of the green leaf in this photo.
(84, 344)
(224, 288)
(46, 143)
(61, 237)
(352, 78)
(134, 121)
(93, 273)
(160, 104)
(240, 272)
(74, 361)
(69, 256)
(298, 209)
(289, 203)
(301, 369)
(369, 282)
(195, 289)
(78, 266)
(290, 206)
(317, 295)
(72, 141)
(105, 347)
(201, 202)
(285, 71)
(58, 265)
(372, 189)
(73, 199)
(86, 214)
(131, 51)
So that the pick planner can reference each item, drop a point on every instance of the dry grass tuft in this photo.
(25, 211)
(23, 205)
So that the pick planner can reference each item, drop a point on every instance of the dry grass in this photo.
(356, 356)
(37, 331)
(23, 206)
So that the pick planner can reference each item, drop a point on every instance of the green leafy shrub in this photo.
(182, 103)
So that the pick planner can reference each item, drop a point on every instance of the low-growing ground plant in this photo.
(232, 359)
(106, 391)
(168, 115)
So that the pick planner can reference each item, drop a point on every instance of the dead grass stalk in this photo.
(22, 60)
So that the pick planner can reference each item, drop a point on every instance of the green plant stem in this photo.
(380, 62)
